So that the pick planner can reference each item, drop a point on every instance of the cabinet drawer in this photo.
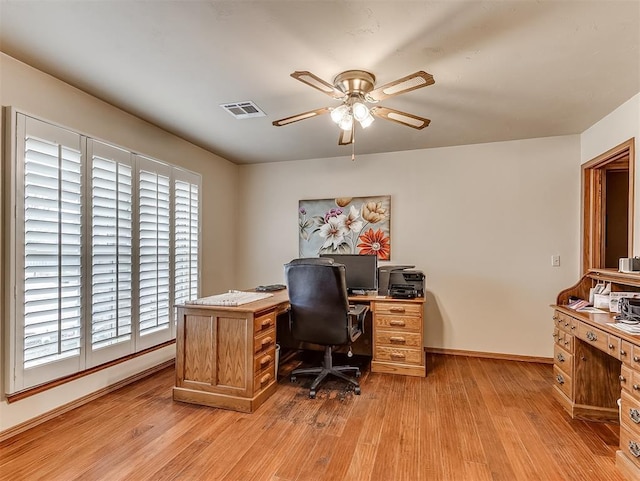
(398, 339)
(262, 380)
(626, 352)
(634, 357)
(613, 346)
(563, 359)
(263, 323)
(399, 355)
(398, 323)
(630, 414)
(593, 336)
(630, 445)
(398, 309)
(631, 382)
(563, 381)
(264, 360)
(265, 341)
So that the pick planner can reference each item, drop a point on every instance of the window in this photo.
(85, 209)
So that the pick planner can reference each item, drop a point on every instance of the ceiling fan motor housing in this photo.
(355, 82)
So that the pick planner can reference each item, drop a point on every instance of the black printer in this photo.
(400, 282)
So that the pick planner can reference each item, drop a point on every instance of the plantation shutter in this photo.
(49, 219)
(154, 250)
(186, 236)
(111, 252)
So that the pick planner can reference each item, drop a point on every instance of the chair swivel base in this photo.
(326, 369)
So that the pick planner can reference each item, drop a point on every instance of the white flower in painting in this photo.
(351, 222)
(334, 231)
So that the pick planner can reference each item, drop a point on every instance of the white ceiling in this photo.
(504, 70)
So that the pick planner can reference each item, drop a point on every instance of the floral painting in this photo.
(345, 225)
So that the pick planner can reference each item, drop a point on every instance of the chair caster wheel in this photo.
(357, 390)
(293, 379)
(312, 394)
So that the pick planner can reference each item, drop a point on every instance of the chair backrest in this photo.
(319, 302)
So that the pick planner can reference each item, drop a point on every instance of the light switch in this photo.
(555, 261)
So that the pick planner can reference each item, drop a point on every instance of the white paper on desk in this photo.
(629, 328)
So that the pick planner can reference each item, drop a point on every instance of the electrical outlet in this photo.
(555, 261)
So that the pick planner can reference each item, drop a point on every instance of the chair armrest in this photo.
(356, 312)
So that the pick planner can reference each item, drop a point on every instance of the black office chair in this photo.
(320, 314)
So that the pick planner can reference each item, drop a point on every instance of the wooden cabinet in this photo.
(397, 338)
(595, 364)
(225, 357)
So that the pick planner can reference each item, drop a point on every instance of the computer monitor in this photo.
(361, 271)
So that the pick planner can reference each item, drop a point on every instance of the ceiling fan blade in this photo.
(346, 136)
(319, 84)
(411, 82)
(302, 116)
(403, 118)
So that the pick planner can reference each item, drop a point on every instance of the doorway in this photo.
(608, 186)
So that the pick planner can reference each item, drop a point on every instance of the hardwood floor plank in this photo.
(470, 419)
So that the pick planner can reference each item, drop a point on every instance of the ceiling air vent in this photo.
(243, 110)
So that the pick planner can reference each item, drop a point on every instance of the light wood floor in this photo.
(469, 419)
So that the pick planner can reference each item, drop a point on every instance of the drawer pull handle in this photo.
(266, 341)
(611, 346)
(397, 323)
(567, 342)
(622, 378)
(554, 335)
(573, 327)
(397, 355)
(398, 340)
(560, 357)
(636, 387)
(566, 324)
(623, 352)
(555, 318)
(265, 360)
(397, 309)
(591, 336)
(636, 358)
(634, 414)
(560, 379)
(265, 324)
(265, 378)
(634, 448)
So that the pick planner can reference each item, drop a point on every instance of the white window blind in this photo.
(52, 252)
(154, 249)
(111, 247)
(186, 240)
(100, 238)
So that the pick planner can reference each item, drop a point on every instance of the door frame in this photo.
(593, 226)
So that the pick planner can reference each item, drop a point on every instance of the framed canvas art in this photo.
(345, 225)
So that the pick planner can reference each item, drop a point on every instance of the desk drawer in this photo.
(630, 414)
(562, 359)
(265, 341)
(399, 355)
(262, 380)
(593, 336)
(398, 308)
(398, 339)
(264, 323)
(613, 346)
(398, 323)
(563, 381)
(264, 361)
(630, 381)
(630, 445)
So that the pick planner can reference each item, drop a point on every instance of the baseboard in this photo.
(490, 355)
(19, 428)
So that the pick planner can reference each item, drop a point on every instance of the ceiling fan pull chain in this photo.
(353, 144)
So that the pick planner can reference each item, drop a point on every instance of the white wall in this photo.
(617, 127)
(482, 222)
(42, 95)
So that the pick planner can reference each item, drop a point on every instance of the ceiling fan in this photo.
(356, 88)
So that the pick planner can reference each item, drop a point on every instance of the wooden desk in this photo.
(225, 356)
(596, 364)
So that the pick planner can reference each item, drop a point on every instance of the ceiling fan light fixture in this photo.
(367, 121)
(346, 123)
(339, 113)
(360, 111)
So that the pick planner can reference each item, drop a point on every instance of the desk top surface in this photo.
(282, 298)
